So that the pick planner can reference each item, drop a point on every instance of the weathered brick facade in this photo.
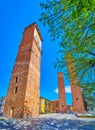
(23, 94)
(62, 95)
(78, 105)
(54, 106)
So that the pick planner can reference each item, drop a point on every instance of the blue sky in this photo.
(14, 17)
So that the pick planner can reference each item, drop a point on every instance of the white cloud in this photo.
(56, 90)
(67, 90)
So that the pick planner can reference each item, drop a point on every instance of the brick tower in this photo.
(23, 93)
(78, 106)
(62, 95)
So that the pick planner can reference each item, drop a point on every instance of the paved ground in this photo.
(65, 116)
(49, 122)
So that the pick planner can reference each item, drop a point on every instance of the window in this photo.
(62, 105)
(36, 37)
(30, 49)
(76, 99)
(16, 80)
(56, 104)
(16, 89)
(36, 55)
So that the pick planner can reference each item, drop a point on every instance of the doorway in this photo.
(12, 112)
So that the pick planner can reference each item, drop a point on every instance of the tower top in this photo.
(60, 74)
(36, 26)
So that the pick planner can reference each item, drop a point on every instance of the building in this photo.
(44, 105)
(69, 109)
(47, 106)
(2, 103)
(23, 93)
(54, 106)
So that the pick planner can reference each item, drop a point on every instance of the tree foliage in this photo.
(73, 22)
(89, 102)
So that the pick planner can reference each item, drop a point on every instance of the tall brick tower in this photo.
(62, 95)
(78, 105)
(23, 94)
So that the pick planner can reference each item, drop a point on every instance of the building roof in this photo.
(45, 99)
(54, 100)
(36, 28)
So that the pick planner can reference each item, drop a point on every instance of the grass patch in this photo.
(86, 116)
(3, 118)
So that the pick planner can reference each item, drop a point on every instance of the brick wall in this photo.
(23, 92)
(78, 105)
(62, 95)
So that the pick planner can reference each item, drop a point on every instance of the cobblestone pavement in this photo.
(49, 122)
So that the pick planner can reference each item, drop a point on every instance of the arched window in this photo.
(16, 89)
(16, 79)
(76, 99)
